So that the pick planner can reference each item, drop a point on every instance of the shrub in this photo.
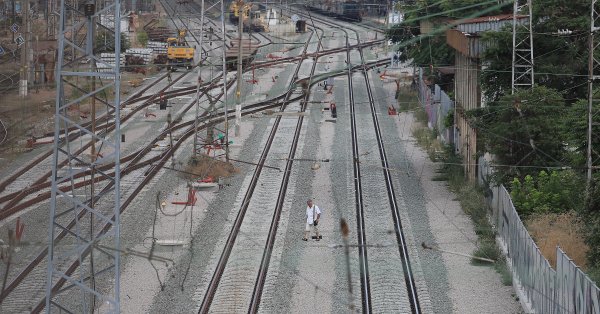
(142, 38)
(557, 192)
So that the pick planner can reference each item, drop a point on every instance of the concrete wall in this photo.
(468, 95)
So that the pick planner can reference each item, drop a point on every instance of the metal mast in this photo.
(224, 67)
(238, 86)
(52, 17)
(593, 65)
(522, 57)
(218, 8)
(84, 259)
(199, 80)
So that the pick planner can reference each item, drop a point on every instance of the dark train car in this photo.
(349, 10)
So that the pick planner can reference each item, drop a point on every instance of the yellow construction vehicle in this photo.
(251, 16)
(178, 52)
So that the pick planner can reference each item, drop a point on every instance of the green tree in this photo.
(142, 38)
(575, 128)
(590, 215)
(105, 42)
(522, 130)
(430, 50)
(560, 60)
(554, 192)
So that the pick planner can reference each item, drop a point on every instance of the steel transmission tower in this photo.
(522, 57)
(52, 16)
(593, 75)
(212, 60)
(84, 259)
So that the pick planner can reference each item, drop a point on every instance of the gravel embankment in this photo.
(470, 289)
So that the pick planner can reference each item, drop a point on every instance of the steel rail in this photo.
(265, 261)
(40, 257)
(10, 179)
(15, 198)
(149, 100)
(401, 239)
(358, 195)
(395, 211)
(4, 132)
(154, 170)
(358, 192)
(224, 258)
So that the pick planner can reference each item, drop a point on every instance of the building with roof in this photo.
(465, 38)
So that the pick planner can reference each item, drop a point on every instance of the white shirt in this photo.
(309, 213)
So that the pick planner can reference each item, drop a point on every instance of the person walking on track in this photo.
(313, 214)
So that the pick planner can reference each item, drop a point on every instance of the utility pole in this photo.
(592, 76)
(387, 25)
(199, 79)
(522, 55)
(238, 87)
(224, 65)
(82, 251)
(24, 73)
(218, 6)
(52, 17)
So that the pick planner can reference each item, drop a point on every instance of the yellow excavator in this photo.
(178, 52)
(251, 17)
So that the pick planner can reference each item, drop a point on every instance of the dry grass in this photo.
(208, 167)
(550, 230)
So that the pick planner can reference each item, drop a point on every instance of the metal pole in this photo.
(69, 265)
(590, 96)
(199, 79)
(24, 72)
(238, 89)
(224, 58)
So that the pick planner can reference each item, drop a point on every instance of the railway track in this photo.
(409, 280)
(156, 162)
(23, 182)
(139, 160)
(359, 204)
(363, 228)
(24, 179)
(228, 288)
(3, 132)
(137, 174)
(9, 82)
(143, 177)
(223, 289)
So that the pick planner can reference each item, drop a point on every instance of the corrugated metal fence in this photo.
(544, 289)
(437, 105)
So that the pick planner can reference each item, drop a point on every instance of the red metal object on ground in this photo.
(253, 80)
(208, 179)
(382, 76)
(191, 199)
(392, 111)
(19, 230)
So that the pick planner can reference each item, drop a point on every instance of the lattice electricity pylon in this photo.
(522, 57)
(52, 16)
(209, 59)
(593, 74)
(84, 244)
